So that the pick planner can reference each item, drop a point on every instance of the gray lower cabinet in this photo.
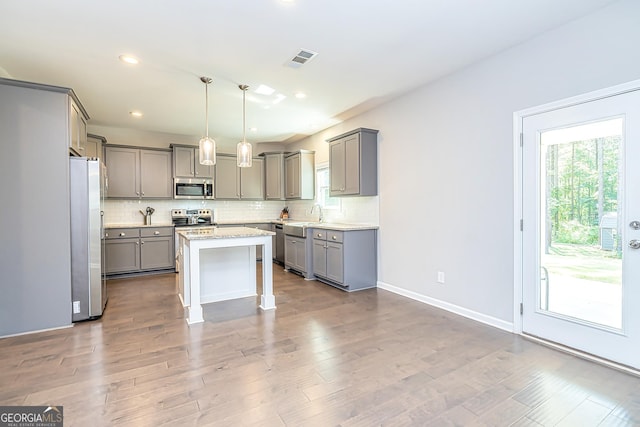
(295, 254)
(122, 250)
(133, 250)
(345, 259)
(157, 250)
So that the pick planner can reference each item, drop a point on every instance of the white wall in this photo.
(446, 158)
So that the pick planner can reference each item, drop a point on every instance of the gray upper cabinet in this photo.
(227, 180)
(274, 176)
(186, 163)
(138, 173)
(300, 175)
(252, 180)
(353, 163)
(234, 183)
(78, 129)
(94, 146)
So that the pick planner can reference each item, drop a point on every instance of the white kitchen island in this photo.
(219, 264)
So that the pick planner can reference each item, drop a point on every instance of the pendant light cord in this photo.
(206, 108)
(244, 113)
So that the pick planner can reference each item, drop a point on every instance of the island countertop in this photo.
(223, 233)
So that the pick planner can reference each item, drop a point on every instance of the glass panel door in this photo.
(581, 239)
(581, 256)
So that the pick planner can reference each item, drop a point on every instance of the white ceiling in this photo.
(368, 52)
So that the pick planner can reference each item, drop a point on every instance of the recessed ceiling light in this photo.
(129, 59)
(136, 114)
(253, 129)
(301, 95)
(265, 90)
(279, 97)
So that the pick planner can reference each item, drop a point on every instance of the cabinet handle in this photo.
(106, 234)
(143, 193)
(319, 235)
(122, 234)
(156, 233)
(142, 243)
(334, 238)
(137, 243)
(137, 193)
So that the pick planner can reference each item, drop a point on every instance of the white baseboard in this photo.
(37, 331)
(465, 312)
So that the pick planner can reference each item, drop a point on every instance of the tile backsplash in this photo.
(351, 210)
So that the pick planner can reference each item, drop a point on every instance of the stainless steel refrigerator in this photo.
(88, 283)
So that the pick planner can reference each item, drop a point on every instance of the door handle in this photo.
(634, 244)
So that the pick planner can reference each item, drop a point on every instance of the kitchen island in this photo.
(220, 264)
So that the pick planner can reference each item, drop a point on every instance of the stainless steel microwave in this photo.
(192, 188)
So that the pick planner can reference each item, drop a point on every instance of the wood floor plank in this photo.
(324, 357)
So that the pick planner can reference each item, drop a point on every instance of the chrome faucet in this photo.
(319, 211)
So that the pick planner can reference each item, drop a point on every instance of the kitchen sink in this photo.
(298, 229)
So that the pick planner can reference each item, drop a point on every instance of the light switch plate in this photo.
(76, 307)
(440, 276)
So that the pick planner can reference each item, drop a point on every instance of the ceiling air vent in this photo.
(302, 57)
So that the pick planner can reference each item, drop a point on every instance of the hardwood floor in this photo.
(323, 358)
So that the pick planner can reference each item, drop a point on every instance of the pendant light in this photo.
(207, 145)
(244, 153)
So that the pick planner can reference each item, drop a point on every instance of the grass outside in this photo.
(583, 262)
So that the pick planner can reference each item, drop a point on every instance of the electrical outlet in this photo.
(76, 307)
(440, 276)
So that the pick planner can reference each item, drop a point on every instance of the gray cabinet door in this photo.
(344, 161)
(123, 170)
(352, 164)
(93, 147)
(184, 162)
(319, 258)
(301, 255)
(155, 174)
(122, 255)
(252, 181)
(227, 181)
(156, 253)
(335, 262)
(289, 251)
(292, 174)
(295, 253)
(274, 176)
(336, 167)
(202, 171)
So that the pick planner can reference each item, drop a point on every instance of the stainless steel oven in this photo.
(192, 188)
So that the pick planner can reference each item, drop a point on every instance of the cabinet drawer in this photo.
(334, 236)
(320, 234)
(156, 231)
(121, 233)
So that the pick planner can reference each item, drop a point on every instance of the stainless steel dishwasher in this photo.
(278, 249)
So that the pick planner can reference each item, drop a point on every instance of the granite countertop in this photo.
(342, 227)
(223, 233)
(137, 225)
(335, 225)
